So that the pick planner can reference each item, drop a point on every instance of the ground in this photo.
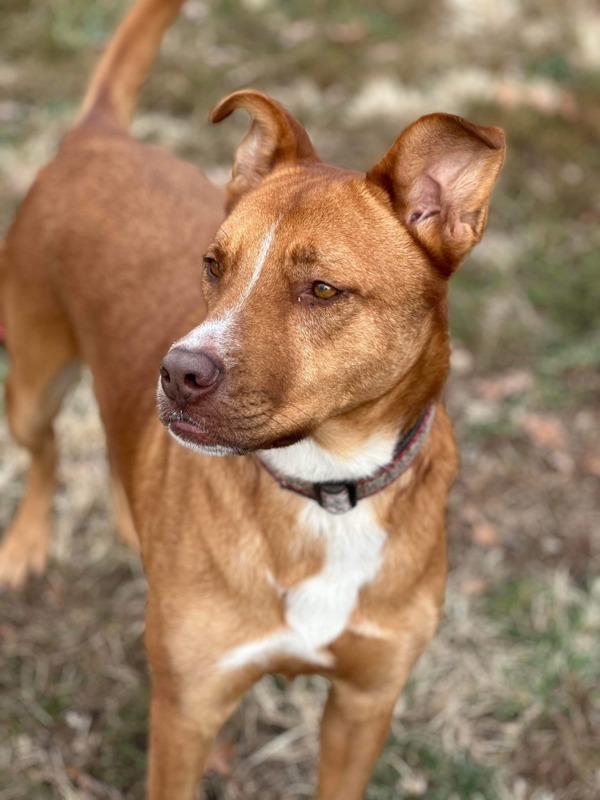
(505, 705)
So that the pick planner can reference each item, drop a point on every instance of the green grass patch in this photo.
(121, 761)
(57, 704)
(556, 630)
(468, 291)
(448, 776)
(58, 29)
(562, 281)
(502, 426)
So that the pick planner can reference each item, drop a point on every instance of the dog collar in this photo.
(337, 497)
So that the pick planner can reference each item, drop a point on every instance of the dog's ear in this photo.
(274, 138)
(438, 176)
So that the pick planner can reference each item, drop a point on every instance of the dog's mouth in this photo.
(185, 428)
(193, 434)
(199, 436)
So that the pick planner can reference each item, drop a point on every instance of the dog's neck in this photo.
(338, 484)
(307, 460)
(354, 445)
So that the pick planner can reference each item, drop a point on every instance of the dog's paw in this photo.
(23, 553)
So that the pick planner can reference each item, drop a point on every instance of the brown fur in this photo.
(103, 265)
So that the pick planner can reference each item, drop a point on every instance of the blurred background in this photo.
(505, 705)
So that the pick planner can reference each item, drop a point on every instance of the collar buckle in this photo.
(337, 498)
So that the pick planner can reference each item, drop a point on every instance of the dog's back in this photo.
(128, 239)
(101, 265)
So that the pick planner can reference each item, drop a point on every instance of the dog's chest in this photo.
(319, 608)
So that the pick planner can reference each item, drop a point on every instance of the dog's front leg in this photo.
(179, 746)
(356, 721)
(192, 695)
(354, 728)
(184, 719)
(178, 750)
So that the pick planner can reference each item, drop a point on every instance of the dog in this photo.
(301, 526)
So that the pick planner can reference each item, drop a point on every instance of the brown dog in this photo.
(315, 542)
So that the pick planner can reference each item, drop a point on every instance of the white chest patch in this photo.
(318, 609)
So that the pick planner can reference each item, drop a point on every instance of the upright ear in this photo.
(274, 138)
(439, 175)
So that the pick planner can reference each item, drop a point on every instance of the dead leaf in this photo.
(347, 32)
(470, 514)
(562, 462)
(473, 586)
(505, 385)
(546, 431)
(485, 534)
(590, 464)
(7, 631)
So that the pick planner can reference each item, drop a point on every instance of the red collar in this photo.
(337, 497)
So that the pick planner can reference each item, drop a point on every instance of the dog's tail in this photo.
(3, 260)
(112, 94)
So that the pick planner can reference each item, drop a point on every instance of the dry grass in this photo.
(505, 705)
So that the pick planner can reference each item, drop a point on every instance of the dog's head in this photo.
(326, 289)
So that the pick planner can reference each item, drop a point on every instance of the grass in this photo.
(505, 704)
(423, 770)
(122, 759)
(559, 627)
(556, 629)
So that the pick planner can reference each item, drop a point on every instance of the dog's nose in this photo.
(188, 375)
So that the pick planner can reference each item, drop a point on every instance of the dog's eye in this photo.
(324, 291)
(213, 267)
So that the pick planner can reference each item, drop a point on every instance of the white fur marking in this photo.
(369, 630)
(218, 331)
(265, 246)
(318, 609)
(308, 461)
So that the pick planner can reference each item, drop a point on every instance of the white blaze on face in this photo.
(219, 332)
(263, 252)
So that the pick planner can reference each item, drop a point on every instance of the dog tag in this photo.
(337, 498)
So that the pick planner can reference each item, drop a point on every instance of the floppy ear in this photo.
(439, 175)
(274, 138)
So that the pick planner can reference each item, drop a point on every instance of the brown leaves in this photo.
(482, 531)
(545, 431)
(506, 384)
(549, 433)
(562, 442)
(590, 464)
